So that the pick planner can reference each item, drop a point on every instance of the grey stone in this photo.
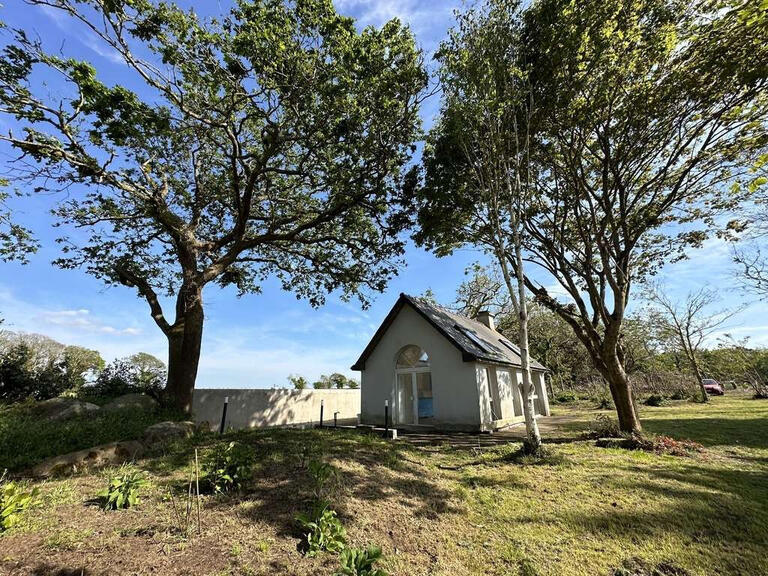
(132, 401)
(63, 408)
(103, 455)
(166, 431)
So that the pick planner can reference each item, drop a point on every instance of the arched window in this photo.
(412, 357)
(413, 392)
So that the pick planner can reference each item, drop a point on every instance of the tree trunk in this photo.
(532, 428)
(699, 378)
(621, 392)
(184, 342)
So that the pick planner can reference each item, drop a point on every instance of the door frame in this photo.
(396, 407)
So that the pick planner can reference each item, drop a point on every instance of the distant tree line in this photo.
(657, 361)
(335, 380)
(33, 366)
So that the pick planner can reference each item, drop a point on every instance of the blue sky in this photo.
(258, 340)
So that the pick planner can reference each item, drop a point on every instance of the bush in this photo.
(603, 426)
(322, 530)
(565, 398)
(605, 402)
(141, 373)
(123, 488)
(357, 562)
(228, 467)
(655, 400)
(14, 501)
(21, 379)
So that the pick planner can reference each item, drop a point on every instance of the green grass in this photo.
(446, 509)
(26, 438)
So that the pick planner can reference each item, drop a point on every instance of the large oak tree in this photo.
(263, 144)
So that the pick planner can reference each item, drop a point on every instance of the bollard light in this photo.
(224, 415)
(386, 418)
(322, 407)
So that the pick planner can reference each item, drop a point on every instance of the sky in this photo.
(259, 340)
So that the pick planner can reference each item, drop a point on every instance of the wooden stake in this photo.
(197, 489)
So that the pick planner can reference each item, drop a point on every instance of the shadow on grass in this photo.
(750, 432)
(374, 470)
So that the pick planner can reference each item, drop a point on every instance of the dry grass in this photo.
(437, 510)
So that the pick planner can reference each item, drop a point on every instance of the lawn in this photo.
(442, 509)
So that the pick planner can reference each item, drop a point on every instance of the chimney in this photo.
(485, 317)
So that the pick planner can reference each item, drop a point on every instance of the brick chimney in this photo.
(485, 317)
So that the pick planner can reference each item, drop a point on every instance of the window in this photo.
(412, 357)
(474, 337)
(509, 345)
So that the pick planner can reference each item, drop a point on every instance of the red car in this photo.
(713, 387)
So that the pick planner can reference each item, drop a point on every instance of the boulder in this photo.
(63, 408)
(113, 453)
(166, 431)
(132, 402)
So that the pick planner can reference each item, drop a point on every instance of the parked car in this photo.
(713, 387)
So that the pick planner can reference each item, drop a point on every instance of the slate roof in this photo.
(475, 340)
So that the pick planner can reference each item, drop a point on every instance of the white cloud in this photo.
(87, 38)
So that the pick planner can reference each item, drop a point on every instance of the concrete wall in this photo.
(252, 407)
(454, 382)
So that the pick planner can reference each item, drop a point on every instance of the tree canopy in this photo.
(267, 143)
(642, 116)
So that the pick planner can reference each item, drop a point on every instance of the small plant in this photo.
(655, 400)
(14, 500)
(605, 402)
(358, 562)
(320, 474)
(603, 426)
(123, 489)
(322, 530)
(227, 467)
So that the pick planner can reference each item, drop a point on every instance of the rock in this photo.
(63, 408)
(166, 431)
(132, 402)
(96, 457)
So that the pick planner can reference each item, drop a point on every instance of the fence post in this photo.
(224, 415)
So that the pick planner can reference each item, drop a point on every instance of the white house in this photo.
(436, 368)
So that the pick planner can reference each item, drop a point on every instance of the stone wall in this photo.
(255, 408)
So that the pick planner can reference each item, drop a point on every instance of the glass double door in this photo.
(414, 397)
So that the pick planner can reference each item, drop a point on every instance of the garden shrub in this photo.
(358, 562)
(565, 398)
(655, 400)
(605, 402)
(227, 467)
(603, 426)
(123, 488)
(322, 530)
(14, 501)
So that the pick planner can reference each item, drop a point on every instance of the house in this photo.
(433, 367)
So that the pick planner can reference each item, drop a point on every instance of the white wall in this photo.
(254, 407)
(454, 383)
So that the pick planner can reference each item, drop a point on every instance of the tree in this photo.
(645, 112)
(267, 143)
(298, 382)
(477, 157)
(82, 366)
(16, 241)
(140, 373)
(324, 383)
(689, 324)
